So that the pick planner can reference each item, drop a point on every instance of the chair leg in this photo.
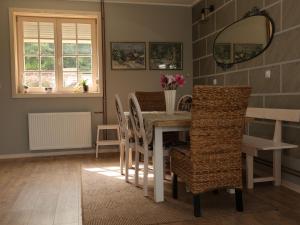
(130, 157)
(137, 162)
(97, 146)
(164, 167)
(97, 149)
(239, 200)
(146, 159)
(187, 188)
(122, 152)
(174, 186)
(197, 205)
(126, 161)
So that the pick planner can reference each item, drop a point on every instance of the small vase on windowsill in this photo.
(85, 88)
(170, 96)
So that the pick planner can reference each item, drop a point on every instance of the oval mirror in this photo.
(243, 40)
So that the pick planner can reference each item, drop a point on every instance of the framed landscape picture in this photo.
(165, 56)
(223, 52)
(247, 51)
(128, 55)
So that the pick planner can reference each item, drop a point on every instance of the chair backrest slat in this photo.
(121, 117)
(185, 103)
(136, 116)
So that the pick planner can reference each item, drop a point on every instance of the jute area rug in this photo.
(108, 200)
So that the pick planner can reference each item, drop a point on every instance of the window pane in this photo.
(46, 30)
(68, 31)
(30, 29)
(69, 48)
(47, 48)
(48, 79)
(84, 31)
(31, 47)
(70, 79)
(84, 49)
(70, 64)
(85, 63)
(47, 63)
(87, 77)
(31, 79)
(31, 63)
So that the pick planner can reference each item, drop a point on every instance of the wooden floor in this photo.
(47, 191)
(43, 191)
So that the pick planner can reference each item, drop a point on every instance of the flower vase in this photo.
(170, 96)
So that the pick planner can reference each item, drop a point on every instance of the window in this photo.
(55, 52)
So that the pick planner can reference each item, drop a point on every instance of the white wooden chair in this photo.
(141, 142)
(126, 137)
(184, 103)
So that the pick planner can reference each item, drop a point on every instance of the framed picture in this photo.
(223, 52)
(244, 52)
(165, 56)
(128, 55)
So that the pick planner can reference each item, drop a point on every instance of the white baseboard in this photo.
(60, 153)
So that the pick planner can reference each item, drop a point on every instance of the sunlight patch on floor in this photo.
(114, 171)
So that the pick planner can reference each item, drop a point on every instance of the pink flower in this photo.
(163, 81)
(171, 82)
(180, 80)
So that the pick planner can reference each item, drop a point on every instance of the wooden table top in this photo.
(179, 122)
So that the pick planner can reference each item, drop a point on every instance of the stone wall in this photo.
(282, 90)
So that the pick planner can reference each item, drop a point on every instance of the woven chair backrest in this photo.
(217, 124)
(151, 101)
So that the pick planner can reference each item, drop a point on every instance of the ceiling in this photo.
(186, 3)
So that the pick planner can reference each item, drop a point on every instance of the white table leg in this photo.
(277, 167)
(249, 170)
(158, 166)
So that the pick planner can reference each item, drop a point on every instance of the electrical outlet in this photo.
(215, 81)
(268, 74)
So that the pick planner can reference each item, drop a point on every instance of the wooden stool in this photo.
(107, 142)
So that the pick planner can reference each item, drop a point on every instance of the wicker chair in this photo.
(126, 137)
(151, 101)
(214, 158)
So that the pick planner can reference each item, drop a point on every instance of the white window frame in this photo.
(63, 16)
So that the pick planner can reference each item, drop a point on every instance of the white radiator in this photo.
(59, 130)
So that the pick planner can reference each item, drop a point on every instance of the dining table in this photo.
(157, 123)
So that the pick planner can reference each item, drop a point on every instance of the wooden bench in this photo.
(251, 145)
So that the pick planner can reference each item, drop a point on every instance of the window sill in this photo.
(58, 95)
